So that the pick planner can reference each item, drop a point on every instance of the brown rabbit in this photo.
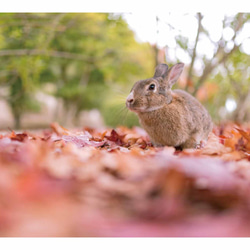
(171, 118)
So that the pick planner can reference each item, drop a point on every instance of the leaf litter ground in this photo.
(114, 183)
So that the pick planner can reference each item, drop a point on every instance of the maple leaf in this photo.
(115, 137)
(18, 137)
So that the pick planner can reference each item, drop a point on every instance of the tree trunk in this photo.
(17, 121)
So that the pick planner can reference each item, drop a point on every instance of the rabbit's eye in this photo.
(151, 86)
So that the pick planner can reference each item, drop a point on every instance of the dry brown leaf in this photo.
(116, 183)
(214, 147)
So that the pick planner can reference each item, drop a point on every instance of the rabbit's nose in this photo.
(130, 98)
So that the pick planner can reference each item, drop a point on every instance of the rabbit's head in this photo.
(153, 93)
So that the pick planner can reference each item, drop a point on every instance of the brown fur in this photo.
(178, 120)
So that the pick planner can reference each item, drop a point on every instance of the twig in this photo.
(51, 53)
(194, 49)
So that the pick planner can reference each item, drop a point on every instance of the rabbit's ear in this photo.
(174, 73)
(161, 70)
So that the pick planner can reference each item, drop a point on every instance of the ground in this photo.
(113, 182)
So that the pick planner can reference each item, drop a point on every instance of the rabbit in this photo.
(170, 117)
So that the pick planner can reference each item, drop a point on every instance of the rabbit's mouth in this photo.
(134, 109)
(142, 109)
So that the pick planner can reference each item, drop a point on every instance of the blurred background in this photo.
(78, 68)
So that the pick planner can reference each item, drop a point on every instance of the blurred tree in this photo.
(238, 78)
(20, 74)
(84, 55)
(112, 57)
(221, 52)
(221, 71)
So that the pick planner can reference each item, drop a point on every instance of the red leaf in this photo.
(115, 137)
(18, 137)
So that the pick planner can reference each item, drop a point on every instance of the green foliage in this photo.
(20, 74)
(84, 55)
(182, 42)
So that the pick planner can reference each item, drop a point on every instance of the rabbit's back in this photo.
(200, 119)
